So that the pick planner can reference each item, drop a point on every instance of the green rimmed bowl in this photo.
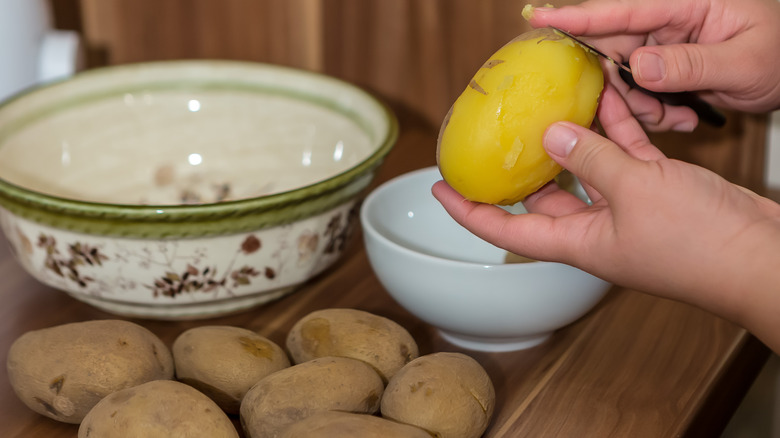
(186, 189)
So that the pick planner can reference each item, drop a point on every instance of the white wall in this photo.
(773, 153)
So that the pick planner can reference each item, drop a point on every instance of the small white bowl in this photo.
(186, 189)
(453, 280)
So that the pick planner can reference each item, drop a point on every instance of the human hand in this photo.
(655, 224)
(722, 48)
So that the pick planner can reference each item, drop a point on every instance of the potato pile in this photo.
(352, 374)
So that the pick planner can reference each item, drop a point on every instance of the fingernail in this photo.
(651, 67)
(529, 11)
(560, 139)
(684, 127)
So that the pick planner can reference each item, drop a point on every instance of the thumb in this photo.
(684, 67)
(594, 159)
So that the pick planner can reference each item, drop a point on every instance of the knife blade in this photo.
(706, 112)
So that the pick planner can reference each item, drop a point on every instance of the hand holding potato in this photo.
(656, 225)
(724, 48)
(490, 144)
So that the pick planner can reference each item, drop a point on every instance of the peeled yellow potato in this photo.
(490, 145)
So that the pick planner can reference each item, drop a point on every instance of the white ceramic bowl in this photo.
(459, 283)
(186, 189)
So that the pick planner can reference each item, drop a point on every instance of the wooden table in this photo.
(636, 366)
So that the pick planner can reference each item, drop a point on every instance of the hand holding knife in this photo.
(706, 112)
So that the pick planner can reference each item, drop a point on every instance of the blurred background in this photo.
(416, 54)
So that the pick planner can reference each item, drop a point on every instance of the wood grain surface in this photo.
(636, 366)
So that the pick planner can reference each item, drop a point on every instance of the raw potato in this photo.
(295, 393)
(330, 424)
(62, 372)
(352, 333)
(224, 362)
(159, 409)
(447, 394)
(490, 145)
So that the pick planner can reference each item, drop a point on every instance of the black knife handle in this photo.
(706, 112)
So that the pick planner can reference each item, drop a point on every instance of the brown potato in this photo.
(224, 362)
(295, 393)
(62, 372)
(352, 333)
(159, 409)
(329, 424)
(447, 394)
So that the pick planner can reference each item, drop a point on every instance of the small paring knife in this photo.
(706, 112)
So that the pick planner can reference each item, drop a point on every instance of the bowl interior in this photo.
(186, 133)
(405, 212)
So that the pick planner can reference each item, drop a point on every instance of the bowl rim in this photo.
(371, 230)
(28, 200)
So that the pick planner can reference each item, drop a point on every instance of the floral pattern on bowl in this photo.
(186, 189)
(186, 278)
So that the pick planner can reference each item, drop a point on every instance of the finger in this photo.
(620, 125)
(658, 117)
(650, 112)
(592, 194)
(531, 235)
(551, 200)
(691, 67)
(594, 18)
(594, 159)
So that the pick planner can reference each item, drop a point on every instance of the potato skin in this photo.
(329, 424)
(295, 393)
(382, 343)
(223, 362)
(63, 371)
(447, 394)
(158, 409)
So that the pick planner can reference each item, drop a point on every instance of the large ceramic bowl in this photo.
(461, 284)
(186, 189)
